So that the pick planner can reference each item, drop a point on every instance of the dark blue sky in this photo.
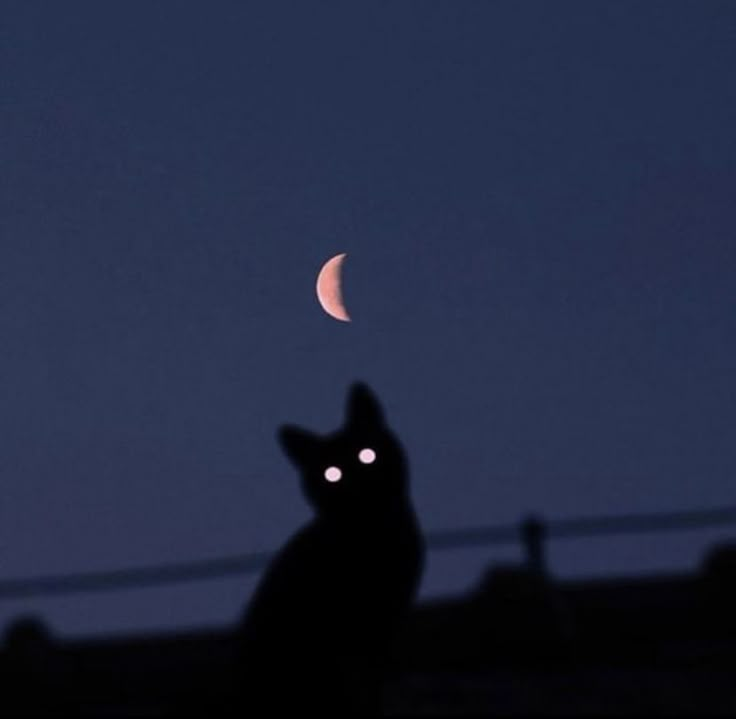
(537, 200)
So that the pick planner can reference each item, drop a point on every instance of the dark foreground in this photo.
(520, 645)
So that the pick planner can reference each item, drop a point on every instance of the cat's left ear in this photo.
(363, 406)
(299, 444)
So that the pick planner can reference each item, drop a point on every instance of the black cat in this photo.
(317, 634)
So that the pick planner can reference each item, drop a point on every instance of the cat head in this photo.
(360, 465)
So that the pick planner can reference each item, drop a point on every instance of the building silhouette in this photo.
(520, 643)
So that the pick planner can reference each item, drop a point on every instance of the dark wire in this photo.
(173, 573)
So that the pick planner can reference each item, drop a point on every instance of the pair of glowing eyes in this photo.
(366, 456)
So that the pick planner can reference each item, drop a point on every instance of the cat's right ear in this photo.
(299, 444)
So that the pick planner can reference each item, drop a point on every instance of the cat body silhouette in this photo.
(318, 632)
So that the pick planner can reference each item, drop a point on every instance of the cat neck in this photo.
(387, 512)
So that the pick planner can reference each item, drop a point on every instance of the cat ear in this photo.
(363, 406)
(298, 443)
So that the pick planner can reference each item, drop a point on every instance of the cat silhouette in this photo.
(318, 633)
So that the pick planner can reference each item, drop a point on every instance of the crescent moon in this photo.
(329, 288)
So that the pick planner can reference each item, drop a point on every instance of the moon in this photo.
(329, 288)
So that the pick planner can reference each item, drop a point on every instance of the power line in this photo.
(220, 567)
(135, 577)
(586, 527)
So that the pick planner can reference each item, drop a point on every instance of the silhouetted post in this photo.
(533, 533)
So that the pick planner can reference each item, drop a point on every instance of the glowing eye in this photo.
(367, 456)
(333, 474)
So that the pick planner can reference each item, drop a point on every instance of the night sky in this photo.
(538, 204)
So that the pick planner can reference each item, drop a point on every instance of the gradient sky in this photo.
(537, 202)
